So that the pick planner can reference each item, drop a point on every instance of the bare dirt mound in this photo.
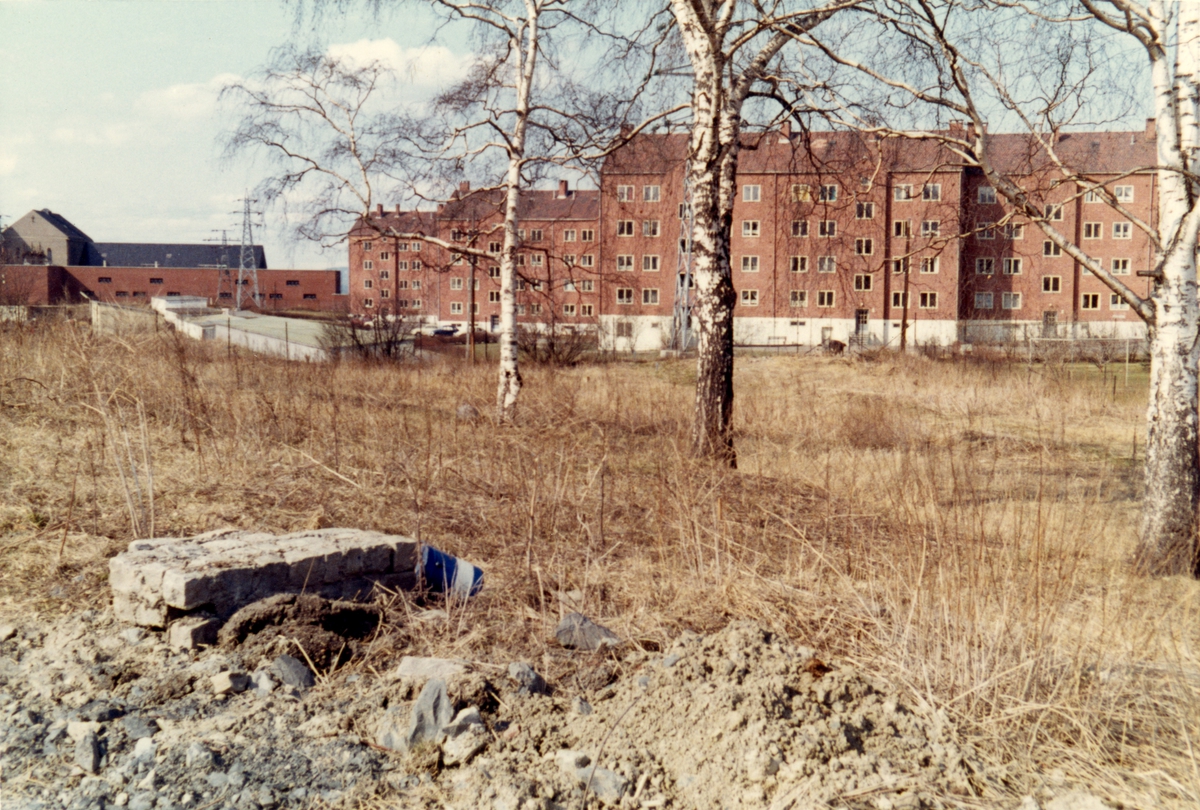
(740, 718)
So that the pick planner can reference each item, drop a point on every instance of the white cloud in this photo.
(8, 164)
(186, 101)
(428, 66)
(97, 135)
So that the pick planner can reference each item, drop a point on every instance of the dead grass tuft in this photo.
(959, 528)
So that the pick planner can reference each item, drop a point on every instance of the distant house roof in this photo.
(138, 254)
(532, 205)
(63, 224)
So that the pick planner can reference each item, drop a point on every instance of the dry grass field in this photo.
(960, 528)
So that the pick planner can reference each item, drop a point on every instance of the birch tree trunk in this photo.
(509, 384)
(1168, 541)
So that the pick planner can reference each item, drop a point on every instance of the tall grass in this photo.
(960, 529)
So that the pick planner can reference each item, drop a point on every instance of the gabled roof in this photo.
(62, 224)
(137, 254)
(532, 206)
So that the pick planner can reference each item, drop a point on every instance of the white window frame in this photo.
(1012, 266)
(749, 298)
(651, 193)
(1051, 285)
(829, 297)
(827, 229)
(650, 228)
(752, 193)
(931, 265)
(864, 246)
(827, 264)
(750, 264)
(828, 193)
(984, 300)
(1120, 267)
(650, 297)
(798, 264)
(624, 193)
(985, 195)
(931, 192)
(985, 266)
(650, 263)
(625, 228)
(902, 192)
(799, 228)
(1093, 230)
(928, 300)
(798, 298)
(751, 228)
(864, 210)
(1122, 230)
(625, 262)
(1089, 301)
(1010, 301)
(625, 296)
(1123, 194)
(863, 282)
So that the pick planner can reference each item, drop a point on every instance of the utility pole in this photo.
(472, 235)
(904, 314)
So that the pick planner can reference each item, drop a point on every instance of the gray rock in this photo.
(463, 722)
(99, 711)
(671, 660)
(138, 727)
(133, 635)
(430, 714)
(578, 632)
(293, 672)
(198, 757)
(144, 750)
(608, 786)
(580, 706)
(192, 632)
(264, 684)
(528, 681)
(7, 631)
(459, 749)
(236, 775)
(142, 801)
(87, 752)
(217, 779)
(226, 683)
(422, 669)
(392, 730)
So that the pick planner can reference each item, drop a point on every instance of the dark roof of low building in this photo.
(139, 254)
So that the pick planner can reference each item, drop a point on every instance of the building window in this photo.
(368, 303)
(650, 296)
(751, 193)
(864, 210)
(569, 286)
(625, 193)
(986, 195)
(749, 298)
(651, 193)
(587, 235)
(862, 283)
(798, 264)
(568, 309)
(827, 228)
(931, 192)
(587, 285)
(569, 259)
(983, 300)
(156, 281)
(1051, 248)
(569, 235)
(864, 247)
(494, 247)
(826, 298)
(829, 193)
(222, 295)
(1122, 230)
(900, 266)
(1120, 267)
(899, 300)
(535, 259)
(1014, 231)
(1123, 194)
(416, 266)
(385, 256)
(383, 274)
(1116, 302)
(750, 228)
(1054, 212)
(456, 283)
(985, 267)
(586, 309)
(930, 264)
(587, 260)
(624, 295)
(826, 264)
(493, 296)
(931, 227)
(404, 265)
(368, 265)
(310, 296)
(143, 295)
(902, 228)
(799, 228)
(928, 300)
(1012, 267)
(401, 285)
(625, 263)
(382, 294)
(624, 227)
(535, 235)
(1093, 230)
(293, 282)
(986, 231)
(368, 284)
(650, 264)
(798, 298)
(1010, 300)
(416, 285)
(1089, 301)
(624, 329)
(1092, 196)
(403, 246)
(650, 227)
(456, 307)
(1051, 284)
(749, 264)
(902, 193)
(104, 280)
(801, 192)
(366, 245)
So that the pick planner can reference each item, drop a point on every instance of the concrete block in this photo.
(220, 572)
(191, 632)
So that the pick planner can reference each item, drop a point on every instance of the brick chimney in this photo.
(562, 189)
(398, 211)
(463, 188)
(1151, 129)
(379, 209)
(785, 131)
(957, 129)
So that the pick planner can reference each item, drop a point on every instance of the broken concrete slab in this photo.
(422, 669)
(222, 571)
(578, 632)
(192, 632)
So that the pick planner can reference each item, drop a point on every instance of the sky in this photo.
(109, 112)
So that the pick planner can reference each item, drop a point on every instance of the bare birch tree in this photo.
(732, 47)
(1045, 82)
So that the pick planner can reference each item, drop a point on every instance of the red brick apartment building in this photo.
(835, 236)
(132, 273)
